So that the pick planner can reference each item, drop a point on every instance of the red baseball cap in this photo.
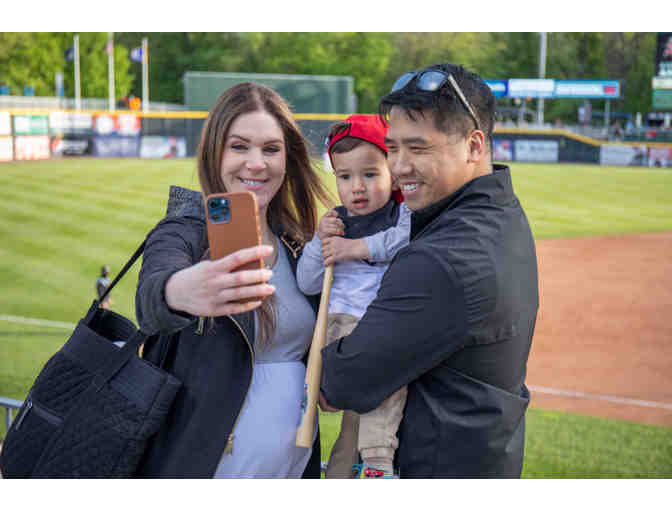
(369, 128)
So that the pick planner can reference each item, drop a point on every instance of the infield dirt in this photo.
(604, 327)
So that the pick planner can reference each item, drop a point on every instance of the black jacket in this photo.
(453, 320)
(213, 363)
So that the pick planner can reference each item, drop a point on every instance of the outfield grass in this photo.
(61, 220)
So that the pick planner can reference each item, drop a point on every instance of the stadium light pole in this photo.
(78, 88)
(110, 68)
(542, 74)
(145, 75)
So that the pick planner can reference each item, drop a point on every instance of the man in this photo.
(455, 313)
(101, 286)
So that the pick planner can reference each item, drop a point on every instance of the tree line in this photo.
(373, 59)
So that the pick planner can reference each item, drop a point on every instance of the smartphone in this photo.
(232, 221)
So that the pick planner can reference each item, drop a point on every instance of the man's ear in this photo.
(476, 146)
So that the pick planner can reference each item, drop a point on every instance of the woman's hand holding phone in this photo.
(212, 288)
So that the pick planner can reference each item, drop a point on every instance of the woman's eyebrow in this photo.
(274, 140)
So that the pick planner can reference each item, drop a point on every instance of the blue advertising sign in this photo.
(587, 89)
(499, 87)
(531, 88)
(114, 146)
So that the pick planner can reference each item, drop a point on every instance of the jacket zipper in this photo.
(295, 251)
(43, 413)
(228, 450)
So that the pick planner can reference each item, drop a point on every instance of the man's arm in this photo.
(417, 320)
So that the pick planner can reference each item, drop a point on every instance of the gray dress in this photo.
(265, 434)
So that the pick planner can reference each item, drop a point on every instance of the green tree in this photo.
(574, 56)
(362, 55)
(631, 58)
(173, 54)
(375, 60)
(93, 67)
(33, 58)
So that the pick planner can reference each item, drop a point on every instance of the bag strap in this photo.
(125, 269)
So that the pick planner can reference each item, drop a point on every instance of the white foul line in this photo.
(37, 322)
(538, 389)
(609, 398)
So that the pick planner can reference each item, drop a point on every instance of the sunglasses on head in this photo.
(430, 81)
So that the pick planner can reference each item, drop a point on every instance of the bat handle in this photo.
(311, 387)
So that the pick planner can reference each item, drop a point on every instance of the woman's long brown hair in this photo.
(293, 210)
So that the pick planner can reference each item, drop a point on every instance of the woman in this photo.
(242, 370)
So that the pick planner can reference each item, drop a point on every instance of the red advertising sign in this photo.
(31, 147)
(122, 124)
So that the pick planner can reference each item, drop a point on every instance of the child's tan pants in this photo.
(375, 431)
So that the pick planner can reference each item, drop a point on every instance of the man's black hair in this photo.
(450, 115)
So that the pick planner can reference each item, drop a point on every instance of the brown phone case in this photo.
(241, 229)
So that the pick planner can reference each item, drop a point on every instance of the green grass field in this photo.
(61, 220)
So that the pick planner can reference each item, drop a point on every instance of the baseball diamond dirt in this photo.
(603, 340)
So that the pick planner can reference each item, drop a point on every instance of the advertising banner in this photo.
(664, 54)
(31, 147)
(31, 125)
(531, 88)
(660, 157)
(623, 155)
(116, 146)
(5, 124)
(499, 87)
(536, 150)
(124, 125)
(598, 89)
(658, 82)
(503, 150)
(6, 148)
(129, 125)
(662, 99)
(104, 125)
(70, 122)
(163, 147)
(76, 145)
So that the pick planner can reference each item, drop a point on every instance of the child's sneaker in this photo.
(366, 471)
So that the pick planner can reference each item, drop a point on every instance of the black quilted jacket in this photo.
(213, 363)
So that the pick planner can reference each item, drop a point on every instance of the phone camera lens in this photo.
(213, 204)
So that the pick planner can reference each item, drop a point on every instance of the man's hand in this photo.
(330, 225)
(335, 249)
(324, 405)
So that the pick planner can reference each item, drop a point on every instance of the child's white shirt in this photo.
(356, 282)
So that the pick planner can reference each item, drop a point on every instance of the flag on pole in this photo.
(136, 54)
(109, 47)
(70, 54)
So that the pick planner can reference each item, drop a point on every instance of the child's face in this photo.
(363, 179)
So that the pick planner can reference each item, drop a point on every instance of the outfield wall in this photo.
(45, 134)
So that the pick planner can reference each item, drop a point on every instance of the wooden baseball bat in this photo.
(311, 387)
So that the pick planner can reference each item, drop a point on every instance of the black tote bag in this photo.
(93, 406)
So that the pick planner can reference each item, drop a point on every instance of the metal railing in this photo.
(9, 404)
(68, 103)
